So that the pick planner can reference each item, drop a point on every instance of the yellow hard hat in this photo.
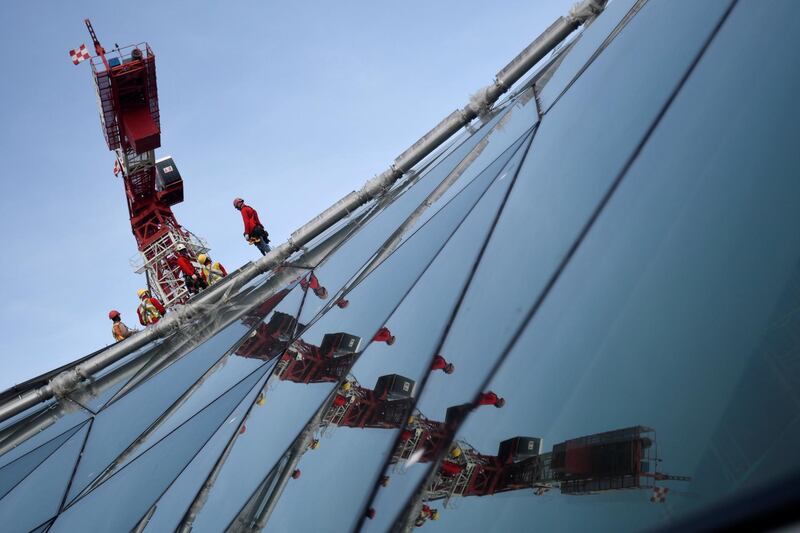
(141, 292)
(261, 400)
(411, 420)
(435, 514)
(314, 444)
(346, 386)
(202, 258)
(455, 452)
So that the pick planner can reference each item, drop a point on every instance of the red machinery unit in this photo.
(127, 96)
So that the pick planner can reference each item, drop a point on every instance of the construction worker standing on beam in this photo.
(150, 310)
(254, 231)
(212, 272)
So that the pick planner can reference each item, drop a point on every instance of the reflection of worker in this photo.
(254, 231)
(191, 278)
(490, 398)
(118, 329)
(150, 310)
(212, 272)
(384, 335)
(313, 284)
(425, 514)
(439, 363)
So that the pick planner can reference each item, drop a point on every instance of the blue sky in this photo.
(289, 105)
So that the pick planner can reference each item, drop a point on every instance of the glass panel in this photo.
(38, 497)
(12, 473)
(42, 528)
(307, 373)
(340, 266)
(145, 479)
(580, 53)
(145, 404)
(340, 473)
(172, 506)
(556, 192)
(31, 433)
(684, 295)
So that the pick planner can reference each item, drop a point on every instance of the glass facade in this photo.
(580, 313)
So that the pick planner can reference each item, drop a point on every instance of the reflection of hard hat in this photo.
(346, 386)
(371, 513)
(455, 452)
(261, 400)
(238, 202)
(202, 258)
(296, 473)
(435, 514)
(113, 314)
(141, 292)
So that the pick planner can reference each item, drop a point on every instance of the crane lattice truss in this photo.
(127, 98)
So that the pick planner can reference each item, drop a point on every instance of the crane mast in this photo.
(127, 98)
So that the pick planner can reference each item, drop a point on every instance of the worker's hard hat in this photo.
(296, 473)
(435, 514)
(315, 444)
(202, 258)
(346, 386)
(180, 247)
(141, 292)
(238, 202)
(455, 452)
(113, 314)
(261, 400)
(411, 420)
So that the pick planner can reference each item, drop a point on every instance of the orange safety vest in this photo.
(120, 331)
(149, 312)
(213, 273)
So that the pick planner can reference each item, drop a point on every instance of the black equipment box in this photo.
(338, 344)
(394, 386)
(519, 448)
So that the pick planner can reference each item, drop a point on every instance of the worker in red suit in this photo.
(490, 398)
(254, 231)
(150, 310)
(191, 277)
(439, 363)
(313, 284)
(425, 514)
(384, 335)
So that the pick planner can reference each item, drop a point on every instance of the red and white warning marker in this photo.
(79, 54)
(659, 494)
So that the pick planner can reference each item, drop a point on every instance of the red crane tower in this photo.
(125, 79)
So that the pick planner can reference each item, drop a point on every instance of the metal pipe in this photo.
(479, 104)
